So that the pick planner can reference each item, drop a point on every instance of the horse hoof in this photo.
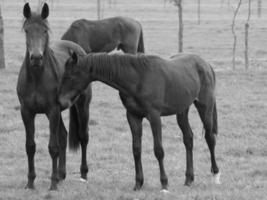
(216, 178)
(61, 176)
(165, 191)
(53, 187)
(137, 187)
(188, 182)
(84, 176)
(83, 180)
(29, 187)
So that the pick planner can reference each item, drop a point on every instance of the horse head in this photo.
(36, 29)
(74, 80)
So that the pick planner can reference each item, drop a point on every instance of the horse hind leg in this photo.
(182, 120)
(62, 150)
(82, 106)
(208, 115)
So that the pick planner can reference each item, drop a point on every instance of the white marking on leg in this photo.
(165, 191)
(83, 180)
(216, 178)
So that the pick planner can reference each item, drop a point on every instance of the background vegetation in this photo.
(241, 97)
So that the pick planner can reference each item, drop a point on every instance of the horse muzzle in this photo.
(36, 60)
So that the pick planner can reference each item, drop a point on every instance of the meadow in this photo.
(241, 99)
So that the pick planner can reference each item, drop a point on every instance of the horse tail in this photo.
(74, 139)
(215, 120)
(141, 47)
(214, 76)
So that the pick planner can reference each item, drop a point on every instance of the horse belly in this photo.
(132, 106)
(109, 47)
(104, 42)
(175, 108)
(178, 101)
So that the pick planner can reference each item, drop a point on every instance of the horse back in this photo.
(102, 35)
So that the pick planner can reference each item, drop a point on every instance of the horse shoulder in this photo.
(152, 79)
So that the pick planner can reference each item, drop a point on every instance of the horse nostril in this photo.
(36, 57)
(40, 57)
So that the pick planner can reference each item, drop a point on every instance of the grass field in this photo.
(241, 99)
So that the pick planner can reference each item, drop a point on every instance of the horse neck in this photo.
(112, 70)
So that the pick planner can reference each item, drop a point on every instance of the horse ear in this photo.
(45, 11)
(27, 10)
(74, 57)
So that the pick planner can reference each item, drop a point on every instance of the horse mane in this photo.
(112, 66)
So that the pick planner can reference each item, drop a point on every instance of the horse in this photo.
(151, 87)
(37, 90)
(107, 34)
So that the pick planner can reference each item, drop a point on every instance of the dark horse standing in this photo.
(151, 87)
(37, 89)
(107, 34)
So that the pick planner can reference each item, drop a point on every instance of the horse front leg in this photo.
(53, 146)
(135, 124)
(155, 123)
(28, 120)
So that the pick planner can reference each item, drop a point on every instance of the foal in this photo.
(151, 87)
(37, 90)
